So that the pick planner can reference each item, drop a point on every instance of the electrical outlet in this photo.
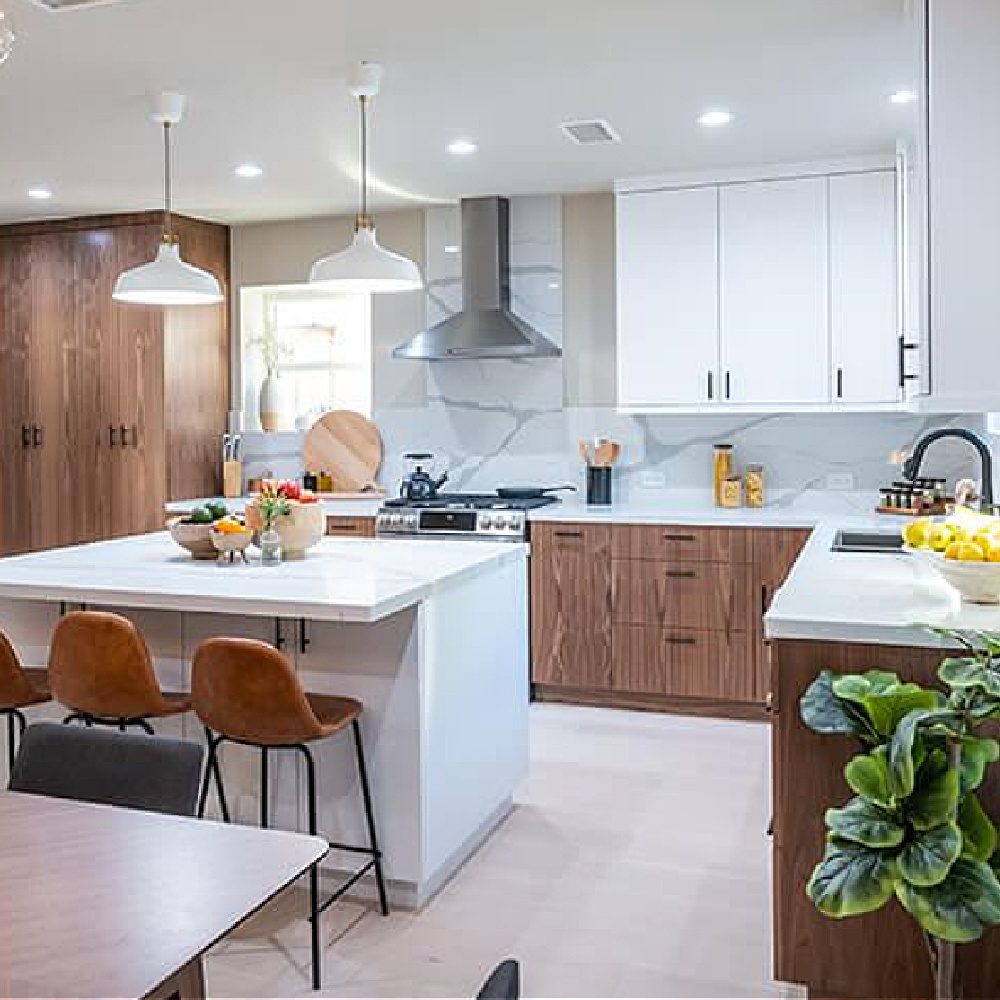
(652, 480)
(840, 481)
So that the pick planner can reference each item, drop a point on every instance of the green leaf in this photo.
(823, 712)
(885, 699)
(970, 672)
(902, 765)
(958, 909)
(928, 857)
(863, 822)
(869, 776)
(851, 880)
(977, 753)
(978, 832)
(936, 793)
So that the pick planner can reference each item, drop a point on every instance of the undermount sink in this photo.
(867, 541)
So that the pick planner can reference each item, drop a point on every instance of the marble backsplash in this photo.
(485, 444)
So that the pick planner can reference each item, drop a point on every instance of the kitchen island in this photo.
(430, 636)
(850, 613)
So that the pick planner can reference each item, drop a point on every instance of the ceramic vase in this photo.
(273, 406)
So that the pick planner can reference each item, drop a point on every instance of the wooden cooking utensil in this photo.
(346, 445)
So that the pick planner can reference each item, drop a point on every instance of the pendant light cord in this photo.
(168, 227)
(364, 220)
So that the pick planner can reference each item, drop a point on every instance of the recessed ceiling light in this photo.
(903, 97)
(452, 249)
(249, 170)
(462, 147)
(39, 193)
(713, 119)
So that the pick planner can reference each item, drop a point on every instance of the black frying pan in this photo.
(530, 492)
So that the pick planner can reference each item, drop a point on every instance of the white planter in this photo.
(273, 403)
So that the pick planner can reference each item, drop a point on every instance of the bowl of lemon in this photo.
(963, 549)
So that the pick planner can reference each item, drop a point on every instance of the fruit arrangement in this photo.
(964, 536)
(211, 513)
(294, 513)
(963, 549)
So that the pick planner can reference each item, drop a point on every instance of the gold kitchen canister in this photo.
(755, 486)
(723, 469)
(732, 492)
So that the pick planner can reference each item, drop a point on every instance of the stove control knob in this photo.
(412, 521)
(486, 522)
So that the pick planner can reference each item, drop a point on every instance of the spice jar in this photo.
(723, 469)
(732, 492)
(755, 486)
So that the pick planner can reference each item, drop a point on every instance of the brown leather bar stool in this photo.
(100, 668)
(246, 692)
(17, 692)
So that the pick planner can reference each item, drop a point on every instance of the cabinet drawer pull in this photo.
(711, 386)
(345, 527)
(569, 534)
(678, 538)
(112, 437)
(25, 436)
(36, 436)
(840, 383)
(680, 640)
(682, 574)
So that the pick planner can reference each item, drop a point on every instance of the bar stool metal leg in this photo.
(370, 817)
(314, 908)
(263, 788)
(213, 770)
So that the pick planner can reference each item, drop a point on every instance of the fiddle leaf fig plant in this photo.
(915, 830)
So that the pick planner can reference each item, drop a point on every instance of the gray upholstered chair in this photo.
(504, 982)
(117, 769)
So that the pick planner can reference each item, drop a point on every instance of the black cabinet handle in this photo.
(711, 386)
(678, 538)
(569, 534)
(305, 639)
(840, 383)
(681, 574)
(112, 441)
(345, 528)
(25, 436)
(903, 348)
(37, 437)
(123, 434)
(728, 385)
(681, 640)
(279, 634)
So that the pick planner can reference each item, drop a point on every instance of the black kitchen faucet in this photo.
(911, 467)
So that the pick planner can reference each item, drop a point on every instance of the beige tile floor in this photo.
(636, 864)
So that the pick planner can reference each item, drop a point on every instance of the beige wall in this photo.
(274, 253)
(280, 253)
(589, 360)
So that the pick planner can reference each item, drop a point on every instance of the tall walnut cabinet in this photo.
(106, 410)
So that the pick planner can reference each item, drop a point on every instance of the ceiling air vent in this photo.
(586, 133)
(57, 5)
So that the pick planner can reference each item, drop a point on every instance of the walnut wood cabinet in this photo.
(350, 527)
(106, 410)
(571, 606)
(656, 616)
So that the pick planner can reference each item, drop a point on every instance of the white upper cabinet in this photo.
(864, 299)
(775, 292)
(668, 305)
(964, 41)
(770, 294)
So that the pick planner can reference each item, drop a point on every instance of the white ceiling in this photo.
(807, 79)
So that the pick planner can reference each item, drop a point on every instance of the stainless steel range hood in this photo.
(486, 328)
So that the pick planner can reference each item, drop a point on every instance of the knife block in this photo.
(232, 479)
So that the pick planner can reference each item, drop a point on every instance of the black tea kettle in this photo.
(418, 484)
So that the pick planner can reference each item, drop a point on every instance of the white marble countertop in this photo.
(333, 508)
(354, 580)
(696, 507)
(870, 598)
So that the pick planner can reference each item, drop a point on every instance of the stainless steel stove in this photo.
(459, 515)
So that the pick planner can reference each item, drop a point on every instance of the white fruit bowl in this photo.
(299, 530)
(977, 582)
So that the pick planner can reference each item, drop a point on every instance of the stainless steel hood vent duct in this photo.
(485, 328)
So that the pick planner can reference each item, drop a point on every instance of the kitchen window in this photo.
(320, 345)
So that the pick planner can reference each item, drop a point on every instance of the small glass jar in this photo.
(270, 548)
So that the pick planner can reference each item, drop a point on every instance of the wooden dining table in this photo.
(97, 901)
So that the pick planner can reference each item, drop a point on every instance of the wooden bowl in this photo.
(195, 538)
(299, 530)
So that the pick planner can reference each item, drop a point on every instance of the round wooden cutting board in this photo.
(346, 445)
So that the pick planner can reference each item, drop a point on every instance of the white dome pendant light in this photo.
(365, 266)
(167, 281)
